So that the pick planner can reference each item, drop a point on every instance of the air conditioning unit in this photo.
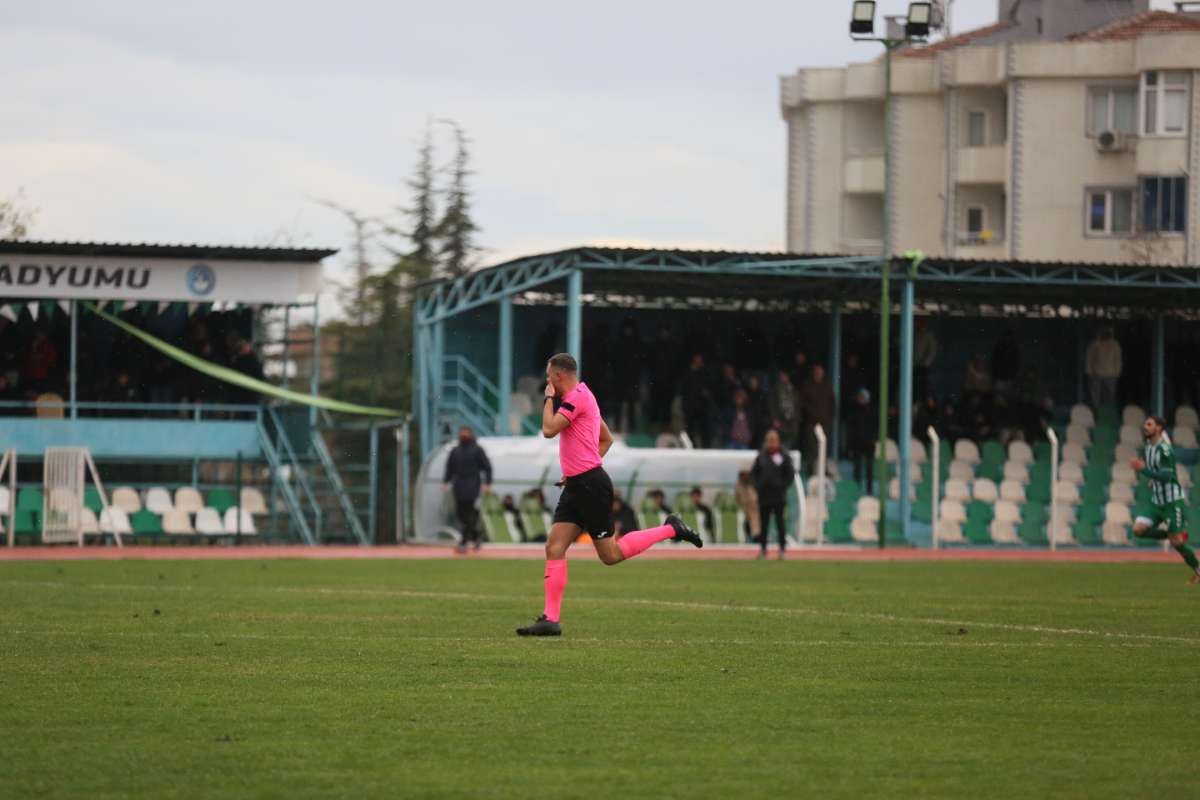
(1111, 142)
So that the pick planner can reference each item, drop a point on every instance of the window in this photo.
(976, 128)
(1109, 211)
(1164, 204)
(1164, 103)
(1112, 109)
(974, 222)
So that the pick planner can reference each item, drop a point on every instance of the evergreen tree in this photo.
(456, 229)
(15, 216)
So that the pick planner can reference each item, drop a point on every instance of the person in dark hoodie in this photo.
(467, 471)
(773, 474)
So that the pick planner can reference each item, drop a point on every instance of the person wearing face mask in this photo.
(467, 471)
(773, 474)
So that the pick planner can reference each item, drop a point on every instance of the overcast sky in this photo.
(630, 122)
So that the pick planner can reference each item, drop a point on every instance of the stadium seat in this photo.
(253, 501)
(814, 518)
(533, 517)
(894, 490)
(685, 507)
(1020, 452)
(1016, 471)
(249, 529)
(92, 499)
(668, 441)
(26, 521)
(221, 499)
(491, 514)
(1067, 492)
(978, 530)
(1133, 415)
(893, 451)
(867, 507)
(126, 499)
(1079, 435)
(962, 471)
(1131, 435)
(5, 496)
(864, 530)
(1115, 534)
(114, 520)
(1004, 532)
(208, 522)
(1186, 415)
(966, 450)
(1074, 453)
(917, 452)
(848, 490)
(950, 532)
(726, 513)
(813, 488)
(1082, 415)
(957, 490)
(1013, 491)
(1062, 532)
(88, 523)
(1070, 472)
(837, 531)
(29, 499)
(188, 499)
(176, 522)
(1120, 493)
(992, 452)
(991, 470)
(48, 406)
(985, 491)
(1185, 477)
(1124, 452)
(1185, 437)
(1032, 531)
(158, 501)
(1084, 531)
(952, 510)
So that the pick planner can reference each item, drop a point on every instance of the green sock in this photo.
(1152, 533)
(1188, 555)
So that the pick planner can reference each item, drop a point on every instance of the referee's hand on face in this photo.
(550, 389)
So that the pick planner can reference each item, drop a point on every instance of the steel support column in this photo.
(421, 384)
(1081, 345)
(315, 380)
(437, 357)
(835, 379)
(1158, 386)
(904, 432)
(575, 316)
(505, 382)
(74, 310)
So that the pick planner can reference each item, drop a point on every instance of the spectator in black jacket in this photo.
(705, 512)
(623, 519)
(861, 425)
(467, 470)
(773, 474)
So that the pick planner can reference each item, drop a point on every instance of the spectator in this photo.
(697, 403)
(467, 467)
(978, 380)
(705, 512)
(728, 386)
(39, 362)
(243, 360)
(925, 351)
(199, 388)
(861, 426)
(773, 475)
(817, 404)
(8, 394)
(659, 500)
(854, 377)
(746, 497)
(928, 415)
(510, 507)
(799, 368)
(627, 375)
(666, 376)
(623, 519)
(1104, 368)
(756, 401)
(739, 423)
(1006, 362)
(123, 390)
(783, 408)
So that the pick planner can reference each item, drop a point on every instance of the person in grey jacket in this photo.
(468, 470)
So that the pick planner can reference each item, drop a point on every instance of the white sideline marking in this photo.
(807, 612)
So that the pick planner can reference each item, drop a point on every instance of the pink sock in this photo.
(556, 582)
(633, 543)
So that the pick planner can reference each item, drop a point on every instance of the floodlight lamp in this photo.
(919, 16)
(862, 19)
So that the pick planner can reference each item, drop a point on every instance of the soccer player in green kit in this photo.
(1165, 493)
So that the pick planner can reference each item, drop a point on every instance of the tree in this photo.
(16, 216)
(456, 229)
(353, 295)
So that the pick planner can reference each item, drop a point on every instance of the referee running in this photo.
(571, 413)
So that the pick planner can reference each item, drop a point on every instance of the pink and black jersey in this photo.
(579, 443)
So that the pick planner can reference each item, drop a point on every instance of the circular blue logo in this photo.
(201, 279)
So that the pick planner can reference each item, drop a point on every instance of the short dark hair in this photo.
(1159, 421)
(564, 362)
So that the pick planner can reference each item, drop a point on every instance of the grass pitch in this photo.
(674, 679)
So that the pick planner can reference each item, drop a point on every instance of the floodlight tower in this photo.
(862, 29)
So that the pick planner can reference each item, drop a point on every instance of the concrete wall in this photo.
(919, 176)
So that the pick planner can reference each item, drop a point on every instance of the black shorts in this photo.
(586, 501)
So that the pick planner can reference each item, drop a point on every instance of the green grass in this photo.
(674, 679)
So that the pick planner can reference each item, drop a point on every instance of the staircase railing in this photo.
(285, 456)
(339, 488)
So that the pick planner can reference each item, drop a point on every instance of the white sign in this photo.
(164, 279)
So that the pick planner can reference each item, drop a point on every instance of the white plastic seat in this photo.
(952, 510)
(248, 528)
(1120, 493)
(894, 490)
(893, 451)
(115, 520)
(1133, 415)
(966, 450)
(1082, 415)
(1066, 492)
(1185, 436)
(521, 403)
(1114, 534)
(867, 507)
(1123, 473)
(88, 522)
(1061, 532)
(253, 501)
(1013, 491)
(188, 499)
(1008, 511)
(177, 523)
(1074, 453)
(814, 518)
(1016, 471)
(950, 531)
(668, 441)
(1020, 452)
(1131, 435)
(1067, 511)
(917, 452)
(814, 488)
(957, 490)
(208, 522)
(127, 499)
(158, 500)
(1004, 532)
(985, 491)
(1079, 435)
(962, 471)
(1070, 471)
(864, 530)
(1117, 514)
(4, 498)
(1124, 452)
(1186, 416)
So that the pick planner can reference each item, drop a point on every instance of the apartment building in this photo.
(1052, 135)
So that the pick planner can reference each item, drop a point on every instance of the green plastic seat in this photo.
(1091, 513)
(1086, 532)
(993, 453)
(91, 499)
(837, 531)
(639, 440)
(976, 531)
(991, 470)
(491, 512)
(848, 489)
(533, 518)
(1095, 495)
(1032, 532)
(221, 500)
(922, 512)
(1041, 451)
(979, 511)
(1038, 493)
(726, 512)
(26, 521)
(29, 499)
(145, 522)
(1035, 511)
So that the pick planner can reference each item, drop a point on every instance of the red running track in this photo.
(534, 552)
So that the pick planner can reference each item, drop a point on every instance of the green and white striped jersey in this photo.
(1160, 469)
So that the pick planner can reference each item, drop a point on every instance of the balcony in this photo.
(863, 175)
(983, 164)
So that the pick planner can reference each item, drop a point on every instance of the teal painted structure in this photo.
(149, 439)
